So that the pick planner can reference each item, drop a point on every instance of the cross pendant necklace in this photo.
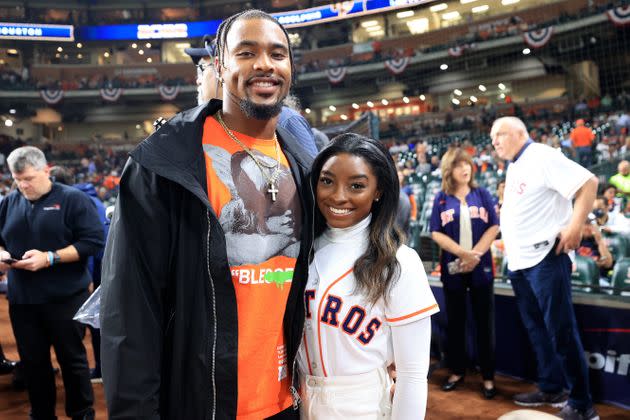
(273, 191)
(273, 177)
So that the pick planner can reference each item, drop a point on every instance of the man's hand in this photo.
(569, 239)
(4, 255)
(32, 260)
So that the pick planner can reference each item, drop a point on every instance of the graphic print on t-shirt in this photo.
(256, 227)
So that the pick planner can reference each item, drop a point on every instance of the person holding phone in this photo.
(464, 224)
(47, 232)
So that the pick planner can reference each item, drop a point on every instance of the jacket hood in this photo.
(175, 150)
(87, 188)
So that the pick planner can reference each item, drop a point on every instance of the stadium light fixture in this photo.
(106, 54)
(480, 9)
(141, 52)
(8, 123)
(451, 15)
(444, 66)
(355, 105)
(473, 98)
(418, 26)
(405, 99)
(526, 51)
(59, 49)
(501, 86)
(482, 88)
(148, 45)
(79, 45)
(137, 126)
(422, 97)
(384, 101)
(307, 110)
(12, 111)
(374, 28)
(370, 104)
(79, 56)
(344, 117)
(457, 92)
(467, 1)
(369, 23)
(508, 2)
(405, 14)
(332, 108)
(377, 33)
(57, 55)
(502, 96)
(455, 101)
(438, 7)
(149, 60)
(134, 45)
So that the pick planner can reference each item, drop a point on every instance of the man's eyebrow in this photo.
(252, 43)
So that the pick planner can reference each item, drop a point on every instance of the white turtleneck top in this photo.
(346, 335)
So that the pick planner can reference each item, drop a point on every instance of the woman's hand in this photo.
(469, 260)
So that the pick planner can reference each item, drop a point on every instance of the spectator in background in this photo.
(610, 222)
(594, 246)
(614, 203)
(621, 179)
(464, 224)
(49, 281)
(403, 216)
(582, 139)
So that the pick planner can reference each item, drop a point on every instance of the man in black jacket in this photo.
(47, 232)
(204, 271)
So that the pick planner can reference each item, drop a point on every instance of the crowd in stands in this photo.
(478, 33)
(12, 80)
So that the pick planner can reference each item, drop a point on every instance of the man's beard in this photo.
(260, 112)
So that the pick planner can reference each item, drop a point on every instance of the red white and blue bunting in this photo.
(111, 94)
(51, 96)
(168, 93)
(620, 16)
(336, 75)
(538, 38)
(397, 65)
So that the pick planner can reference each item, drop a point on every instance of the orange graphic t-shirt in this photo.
(263, 242)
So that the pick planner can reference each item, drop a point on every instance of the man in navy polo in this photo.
(47, 231)
(541, 229)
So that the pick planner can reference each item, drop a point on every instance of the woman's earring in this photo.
(376, 199)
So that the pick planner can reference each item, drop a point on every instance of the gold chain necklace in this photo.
(271, 179)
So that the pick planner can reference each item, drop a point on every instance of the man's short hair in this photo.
(25, 156)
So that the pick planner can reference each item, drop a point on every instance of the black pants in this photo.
(482, 301)
(288, 414)
(36, 328)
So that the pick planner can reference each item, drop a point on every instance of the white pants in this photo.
(360, 397)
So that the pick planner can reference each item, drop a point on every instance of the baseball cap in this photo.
(208, 50)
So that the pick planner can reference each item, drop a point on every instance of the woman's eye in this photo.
(325, 181)
(357, 186)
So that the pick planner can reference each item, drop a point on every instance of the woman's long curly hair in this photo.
(377, 269)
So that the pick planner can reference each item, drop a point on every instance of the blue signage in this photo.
(37, 32)
(306, 17)
(150, 31)
(342, 10)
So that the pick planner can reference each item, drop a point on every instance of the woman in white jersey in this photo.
(367, 300)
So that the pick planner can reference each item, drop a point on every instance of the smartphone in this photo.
(9, 261)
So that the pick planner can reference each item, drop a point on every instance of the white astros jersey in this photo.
(344, 334)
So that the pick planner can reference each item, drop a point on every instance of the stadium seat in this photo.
(621, 277)
(618, 246)
(586, 273)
